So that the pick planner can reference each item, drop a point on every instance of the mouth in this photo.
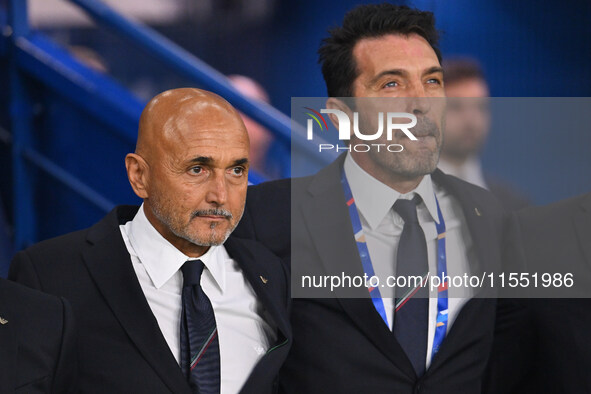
(427, 143)
(418, 134)
(212, 214)
(213, 217)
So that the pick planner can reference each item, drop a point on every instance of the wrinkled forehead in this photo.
(199, 129)
(185, 119)
(394, 50)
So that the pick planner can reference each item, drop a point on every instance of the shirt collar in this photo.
(374, 199)
(162, 260)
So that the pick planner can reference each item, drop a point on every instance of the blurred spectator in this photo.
(467, 126)
(261, 139)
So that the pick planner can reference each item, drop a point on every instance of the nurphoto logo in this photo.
(391, 124)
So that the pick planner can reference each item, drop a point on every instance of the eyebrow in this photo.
(433, 70)
(401, 72)
(202, 159)
(209, 160)
(238, 162)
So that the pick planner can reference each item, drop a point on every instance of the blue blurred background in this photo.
(65, 127)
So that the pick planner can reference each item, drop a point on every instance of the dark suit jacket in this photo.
(546, 347)
(342, 345)
(121, 348)
(37, 342)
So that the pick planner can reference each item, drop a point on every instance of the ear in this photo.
(335, 103)
(137, 173)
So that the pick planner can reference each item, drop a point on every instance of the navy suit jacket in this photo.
(121, 348)
(341, 345)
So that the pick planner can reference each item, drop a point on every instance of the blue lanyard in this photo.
(374, 292)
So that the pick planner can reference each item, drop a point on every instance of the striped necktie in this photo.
(200, 353)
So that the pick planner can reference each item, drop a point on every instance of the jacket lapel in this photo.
(478, 221)
(479, 225)
(327, 219)
(109, 264)
(265, 273)
(583, 225)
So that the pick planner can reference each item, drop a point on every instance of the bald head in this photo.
(172, 115)
(191, 168)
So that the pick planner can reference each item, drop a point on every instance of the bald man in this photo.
(167, 299)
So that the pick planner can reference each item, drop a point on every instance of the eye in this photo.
(238, 171)
(391, 84)
(434, 81)
(196, 170)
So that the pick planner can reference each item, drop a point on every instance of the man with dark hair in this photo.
(399, 202)
(467, 127)
(339, 64)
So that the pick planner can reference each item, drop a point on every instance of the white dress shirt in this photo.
(382, 227)
(244, 335)
(469, 171)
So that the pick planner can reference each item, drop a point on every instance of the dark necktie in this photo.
(200, 351)
(411, 314)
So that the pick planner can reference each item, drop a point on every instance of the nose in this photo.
(417, 101)
(217, 192)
